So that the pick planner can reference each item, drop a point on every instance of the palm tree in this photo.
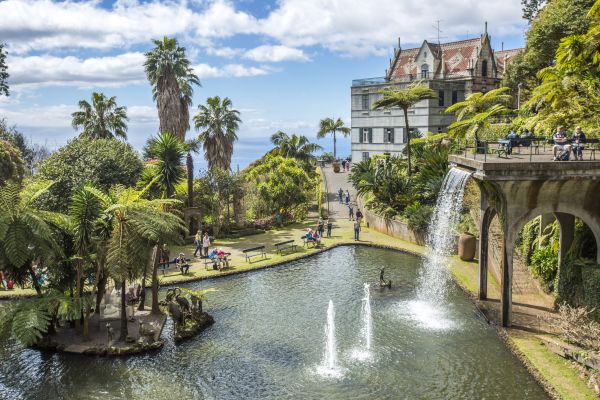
(138, 224)
(167, 152)
(217, 123)
(477, 123)
(327, 126)
(102, 119)
(172, 80)
(294, 146)
(26, 232)
(405, 99)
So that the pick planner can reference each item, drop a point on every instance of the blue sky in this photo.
(285, 64)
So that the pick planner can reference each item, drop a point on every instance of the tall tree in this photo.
(3, 72)
(531, 8)
(137, 225)
(404, 99)
(218, 124)
(295, 146)
(103, 119)
(172, 79)
(329, 126)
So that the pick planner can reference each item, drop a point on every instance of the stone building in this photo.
(453, 70)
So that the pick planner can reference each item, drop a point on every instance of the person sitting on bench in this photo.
(578, 140)
(562, 148)
(184, 267)
(214, 256)
(223, 261)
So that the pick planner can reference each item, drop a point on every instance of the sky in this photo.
(285, 64)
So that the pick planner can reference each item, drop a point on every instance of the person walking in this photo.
(329, 226)
(343, 165)
(347, 197)
(205, 244)
(359, 217)
(198, 243)
(320, 226)
(356, 230)
(341, 195)
(350, 212)
(348, 165)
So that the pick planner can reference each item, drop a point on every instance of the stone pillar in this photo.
(567, 234)
(484, 233)
(507, 275)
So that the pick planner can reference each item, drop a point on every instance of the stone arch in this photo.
(484, 229)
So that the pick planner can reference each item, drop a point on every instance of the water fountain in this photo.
(367, 327)
(433, 276)
(329, 366)
(428, 307)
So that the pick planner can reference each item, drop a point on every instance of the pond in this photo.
(269, 342)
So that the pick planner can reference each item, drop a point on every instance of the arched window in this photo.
(424, 71)
(484, 71)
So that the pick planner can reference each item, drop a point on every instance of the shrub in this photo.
(418, 216)
(577, 328)
(544, 263)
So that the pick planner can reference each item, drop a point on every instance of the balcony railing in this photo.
(369, 81)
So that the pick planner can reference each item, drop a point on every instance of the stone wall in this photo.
(394, 228)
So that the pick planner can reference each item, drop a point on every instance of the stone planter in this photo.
(336, 167)
(467, 244)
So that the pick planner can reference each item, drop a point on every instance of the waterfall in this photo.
(330, 355)
(367, 327)
(433, 276)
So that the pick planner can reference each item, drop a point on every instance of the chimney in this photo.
(502, 46)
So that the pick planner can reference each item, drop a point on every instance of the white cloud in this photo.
(46, 70)
(229, 70)
(275, 54)
(55, 116)
(225, 52)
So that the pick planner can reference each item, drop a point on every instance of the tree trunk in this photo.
(407, 139)
(86, 324)
(124, 331)
(100, 291)
(190, 179)
(143, 291)
(155, 262)
(34, 281)
(334, 153)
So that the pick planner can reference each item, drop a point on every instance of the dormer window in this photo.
(424, 71)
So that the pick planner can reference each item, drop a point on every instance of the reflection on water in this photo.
(269, 337)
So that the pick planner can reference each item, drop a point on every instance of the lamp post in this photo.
(519, 95)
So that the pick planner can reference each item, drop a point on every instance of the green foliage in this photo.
(558, 19)
(294, 146)
(101, 162)
(279, 184)
(30, 321)
(102, 119)
(165, 167)
(418, 216)
(590, 276)
(11, 163)
(527, 238)
(544, 263)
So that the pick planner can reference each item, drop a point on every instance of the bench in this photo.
(590, 145)
(170, 266)
(254, 251)
(308, 241)
(285, 245)
(223, 262)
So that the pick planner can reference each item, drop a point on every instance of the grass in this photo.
(554, 369)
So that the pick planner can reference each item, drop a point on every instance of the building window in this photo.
(365, 155)
(366, 135)
(388, 135)
(365, 102)
(439, 129)
(484, 71)
(454, 96)
(424, 71)
(441, 98)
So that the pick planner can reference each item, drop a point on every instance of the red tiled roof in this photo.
(505, 57)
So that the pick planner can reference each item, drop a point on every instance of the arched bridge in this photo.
(518, 190)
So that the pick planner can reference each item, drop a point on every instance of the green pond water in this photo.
(269, 342)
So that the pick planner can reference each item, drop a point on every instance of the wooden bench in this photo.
(590, 145)
(289, 244)
(171, 266)
(220, 261)
(308, 241)
(254, 251)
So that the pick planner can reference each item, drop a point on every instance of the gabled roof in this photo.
(504, 57)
